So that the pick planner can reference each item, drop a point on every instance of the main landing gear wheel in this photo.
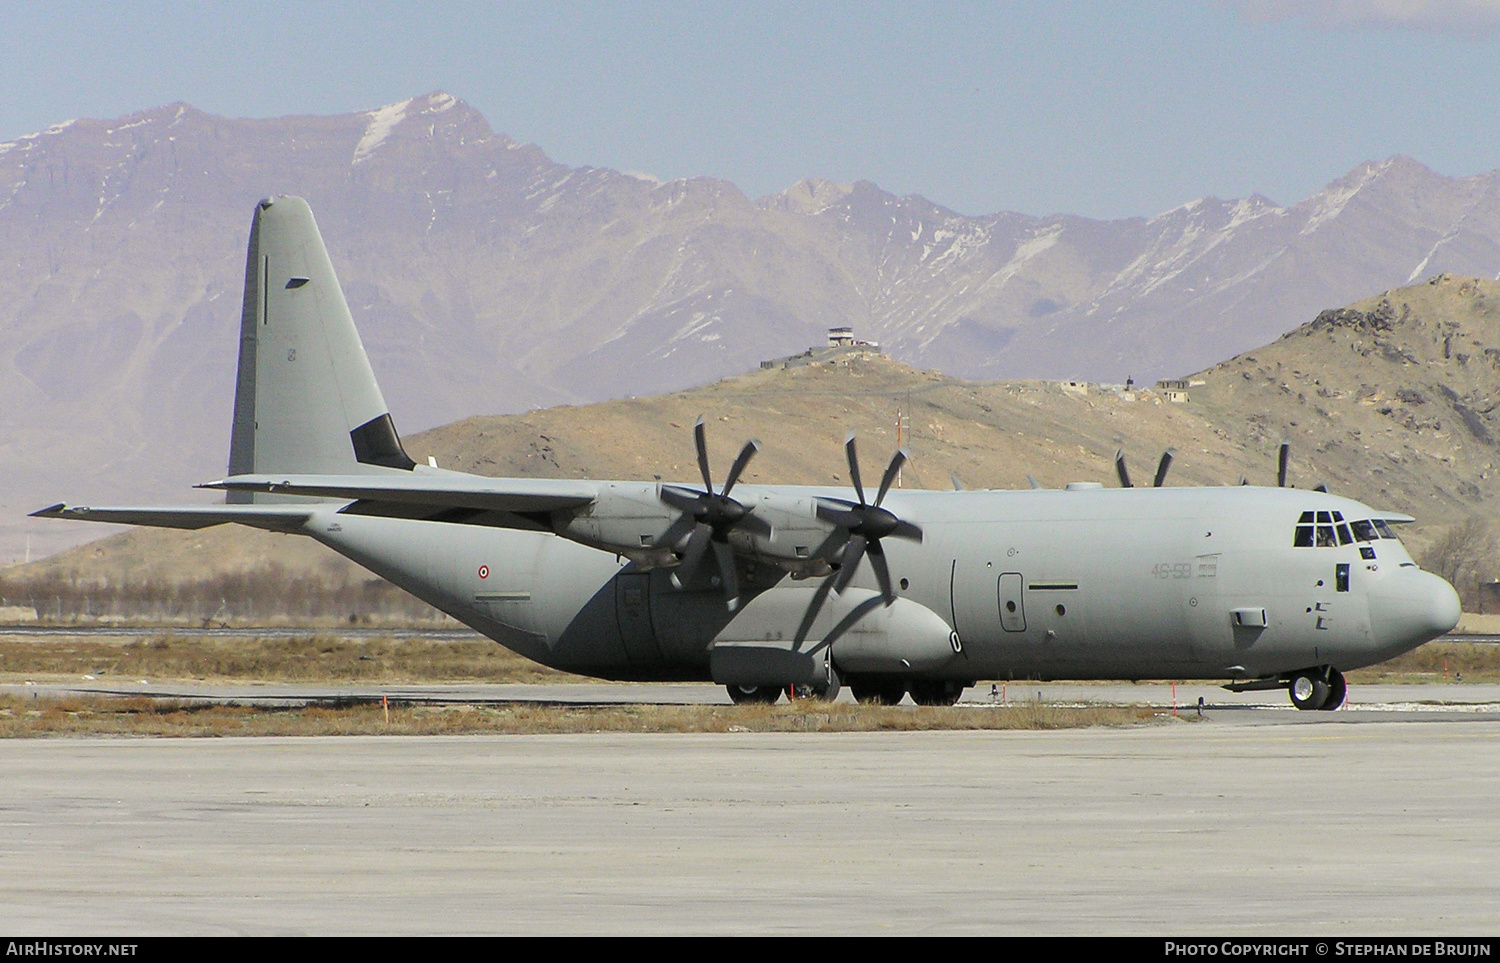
(879, 691)
(753, 694)
(1337, 690)
(823, 693)
(1308, 691)
(925, 693)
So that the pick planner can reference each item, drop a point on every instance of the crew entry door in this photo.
(1012, 603)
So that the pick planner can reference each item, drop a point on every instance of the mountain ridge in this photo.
(1412, 427)
(487, 278)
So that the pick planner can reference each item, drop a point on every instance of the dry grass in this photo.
(312, 658)
(333, 659)
(1475, 661)
(21, 717)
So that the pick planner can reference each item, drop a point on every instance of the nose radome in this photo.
(1412, 607)
(1444, 606)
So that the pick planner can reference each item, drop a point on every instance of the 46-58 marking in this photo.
(1170, 570)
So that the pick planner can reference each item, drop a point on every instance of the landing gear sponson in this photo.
(1321, 687)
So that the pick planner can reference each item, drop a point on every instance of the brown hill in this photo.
(486, 277)
(1391, 400)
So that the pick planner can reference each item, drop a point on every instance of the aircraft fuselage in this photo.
(1092, 583)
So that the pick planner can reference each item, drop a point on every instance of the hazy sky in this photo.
(1102, 109)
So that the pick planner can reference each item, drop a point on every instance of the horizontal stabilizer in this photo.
(275, 518)
(437, 490)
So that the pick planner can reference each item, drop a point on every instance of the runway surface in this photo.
(1371, 703)
(1339, 827)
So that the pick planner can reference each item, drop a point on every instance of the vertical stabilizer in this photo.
(306, 401)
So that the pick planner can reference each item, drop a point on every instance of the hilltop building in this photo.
(841, 345)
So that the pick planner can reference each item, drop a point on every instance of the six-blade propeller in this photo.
(861, 525)
(713, 515)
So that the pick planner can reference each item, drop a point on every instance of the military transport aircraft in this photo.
(762, 588)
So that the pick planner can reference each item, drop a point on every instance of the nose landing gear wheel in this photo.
(1337, 690)
(752, 694)
(1308, 691)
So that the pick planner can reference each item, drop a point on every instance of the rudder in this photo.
(306, 400)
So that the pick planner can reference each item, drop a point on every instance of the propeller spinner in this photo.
(713, 515)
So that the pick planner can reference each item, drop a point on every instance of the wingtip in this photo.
(51, 511)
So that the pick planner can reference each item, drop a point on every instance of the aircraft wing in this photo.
(425, 494)
(269, 517)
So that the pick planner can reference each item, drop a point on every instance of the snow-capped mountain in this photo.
(487, 278)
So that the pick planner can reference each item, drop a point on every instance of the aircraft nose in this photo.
(1412, 607)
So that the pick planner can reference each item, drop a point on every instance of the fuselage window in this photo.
(1304, 537)
(1384, 529)
(1344, 537)
(1364, 531)
(1326, 538)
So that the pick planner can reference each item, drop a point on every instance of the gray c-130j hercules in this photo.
(765, 587)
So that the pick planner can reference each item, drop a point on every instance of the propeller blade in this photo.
(701, 441)
(832, 545)
(680, 498)
(897, 460)
(852, 555)
(1120, 469)
(755, 525)
(1282, 458)
(882, 572)
(746, 453)
(728, 573)
(1162, 466)
(677, 531)
(853, 455)
(693, 556)
(833, 511)
(958, 486)
(1244, 481)
(908, 531)
(1035, 485)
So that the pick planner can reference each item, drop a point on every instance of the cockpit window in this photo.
(1328, 530)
